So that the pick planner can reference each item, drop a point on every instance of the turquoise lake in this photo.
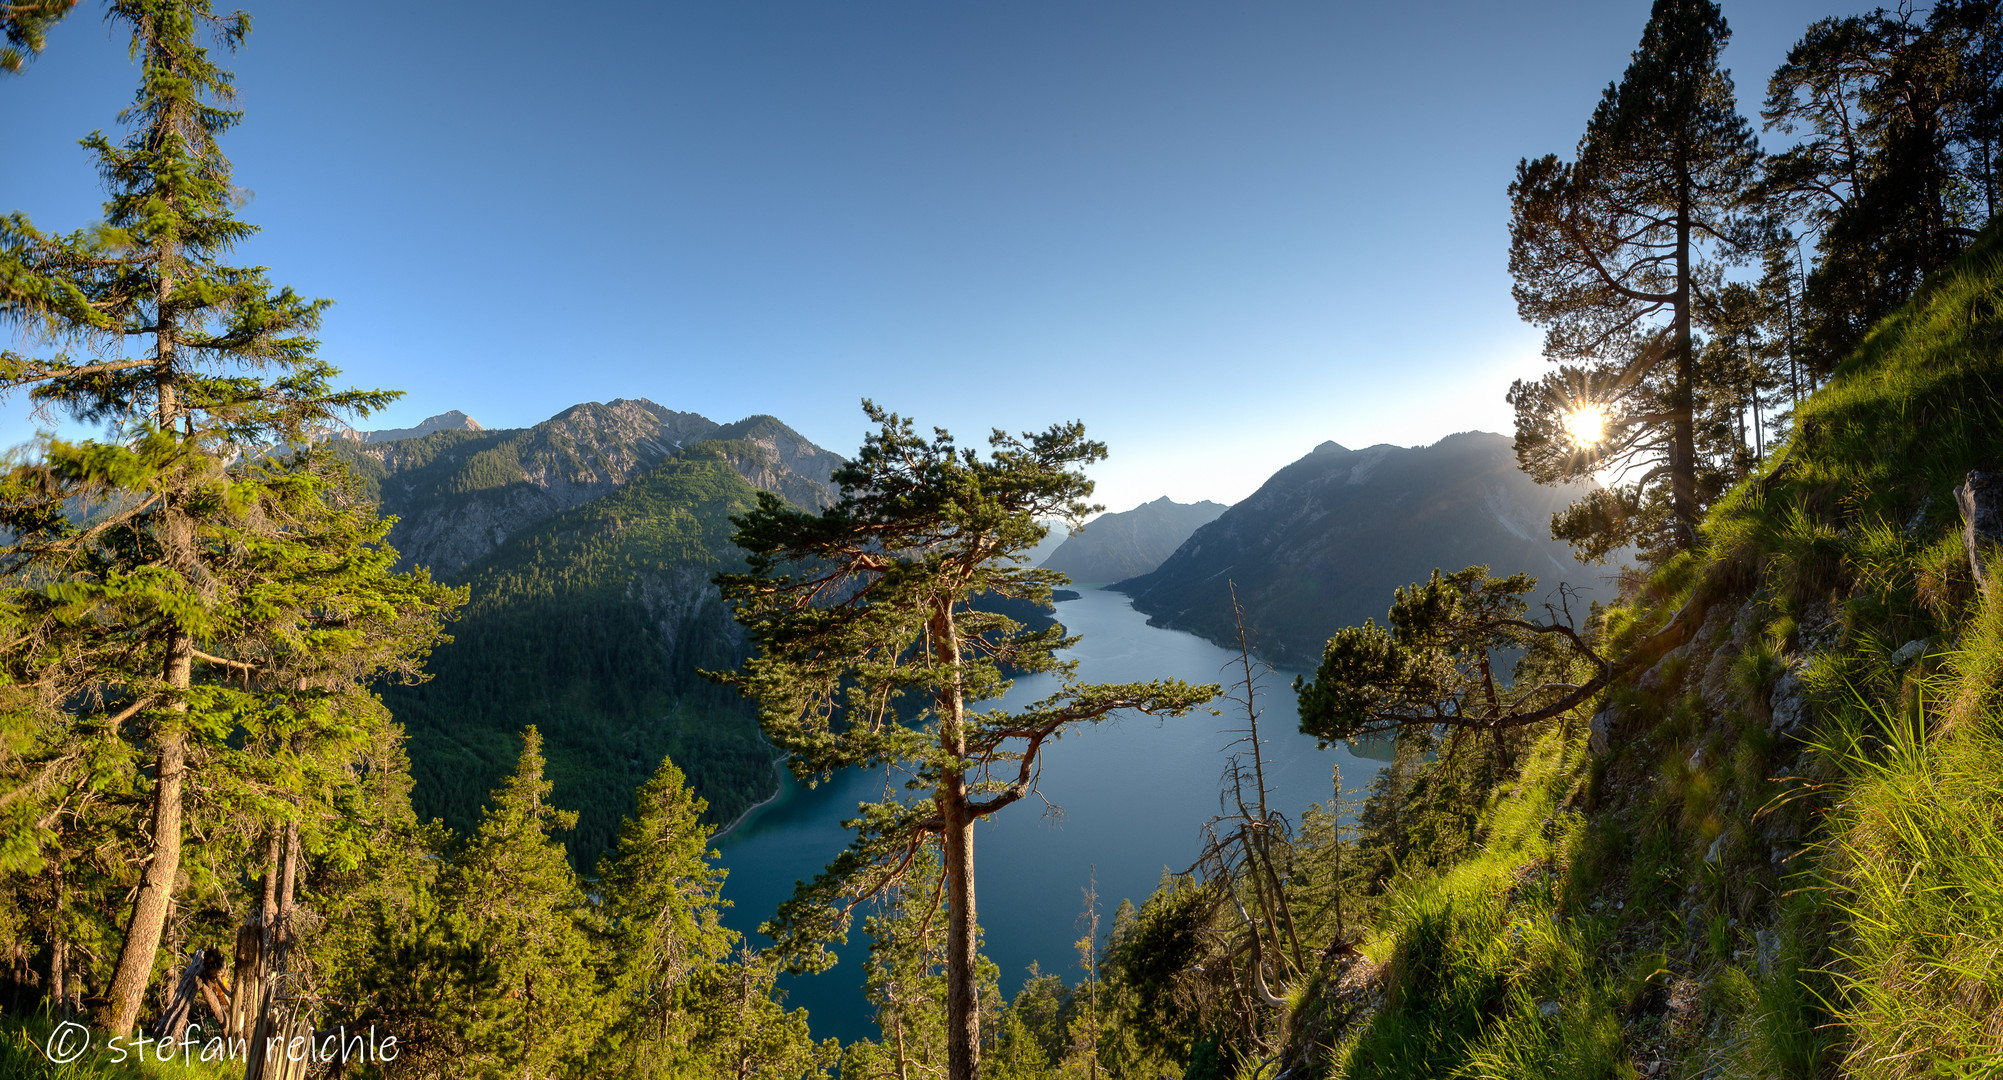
(1126, 799)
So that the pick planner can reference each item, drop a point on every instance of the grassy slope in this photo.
(1718, 898)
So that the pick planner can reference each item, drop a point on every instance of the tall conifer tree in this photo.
(873, 653)
(515, 900)
(178, 586)
(662, 921)
(1610, 254)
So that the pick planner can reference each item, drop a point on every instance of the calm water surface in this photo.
(1128, 797)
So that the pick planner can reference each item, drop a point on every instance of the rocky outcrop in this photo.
(785, 463)
(445, 421)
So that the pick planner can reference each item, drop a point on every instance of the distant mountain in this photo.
(460, 493)
(1114, 547)
(1324, 542)
(1054, 540)
(446, 421)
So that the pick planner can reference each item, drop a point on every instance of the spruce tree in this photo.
(514, 901)
(661, 912)
(1612, 254)
(191, 584)
(873, 653)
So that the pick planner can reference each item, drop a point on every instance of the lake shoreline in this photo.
(778, 789)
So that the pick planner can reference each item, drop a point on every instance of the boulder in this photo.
(1981, 501)
(1599, 731)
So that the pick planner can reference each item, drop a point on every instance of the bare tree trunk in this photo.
(59, 946)
(197, 982)
(963, 1014)
(59, 970)
(253, 949)
(278, 1017)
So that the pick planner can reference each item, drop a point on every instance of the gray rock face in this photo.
(445, 421)
(1981, 502)
(1789, 702)
(781, 461)
(1716, 685)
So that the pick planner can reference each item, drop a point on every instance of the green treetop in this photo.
(1613, 255)
(872, 653)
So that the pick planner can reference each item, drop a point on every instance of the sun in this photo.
(1586, 424)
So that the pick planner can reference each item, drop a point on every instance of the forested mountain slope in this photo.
(588, 542)
(592, 626)
(1323, 542)
(1115, 547)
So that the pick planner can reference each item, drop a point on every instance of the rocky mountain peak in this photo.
(460, 491)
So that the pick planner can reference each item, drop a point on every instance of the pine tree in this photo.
(188, 585)
(872, 653)
(1612, 255)
(1898, 119)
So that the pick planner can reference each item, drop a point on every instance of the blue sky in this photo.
(1217, 233)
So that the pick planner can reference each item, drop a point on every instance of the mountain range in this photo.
(589, 542)
(1322, 544)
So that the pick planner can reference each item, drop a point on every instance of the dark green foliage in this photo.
(1895, 170)
(496, 959)
(1433, 667)
(1161, 941)
(594, 626)
(659, 917)
(191, 615)
(518, 910)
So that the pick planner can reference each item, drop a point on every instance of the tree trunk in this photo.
(963, 1014)
(253, 946)
(279, 1017)
(170, 738)
(1683, 438)
(156, 886)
